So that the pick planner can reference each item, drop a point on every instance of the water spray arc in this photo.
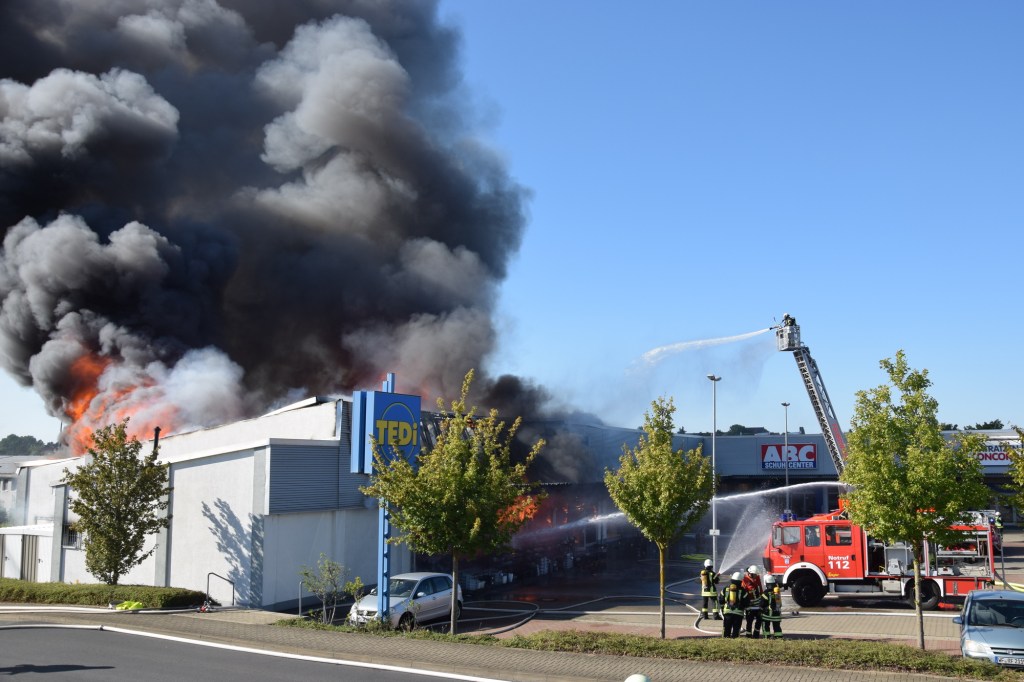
(656, 355)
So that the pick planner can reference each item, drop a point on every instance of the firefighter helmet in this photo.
(769, 579)
(707, 563)
(737, 576)
(752, 569)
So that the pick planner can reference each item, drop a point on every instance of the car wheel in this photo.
(458, 610)
(407, 622)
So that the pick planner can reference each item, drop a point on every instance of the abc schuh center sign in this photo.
(393, 419)
(799, 456)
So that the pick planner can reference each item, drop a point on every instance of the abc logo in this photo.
(799, 456)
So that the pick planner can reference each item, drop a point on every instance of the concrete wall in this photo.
(348, 537)
(36, 497)
(212, 525)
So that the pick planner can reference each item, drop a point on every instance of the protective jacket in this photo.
(752, 586)
(734, 599)
(771, 604)
(708, 583)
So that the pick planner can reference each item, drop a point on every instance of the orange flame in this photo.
(523, 509)
(89, 407)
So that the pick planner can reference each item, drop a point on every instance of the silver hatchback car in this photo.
(992, 627)
(415, 598)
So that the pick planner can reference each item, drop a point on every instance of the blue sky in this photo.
(697, 169)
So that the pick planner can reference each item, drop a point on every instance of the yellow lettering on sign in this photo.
(396, 433)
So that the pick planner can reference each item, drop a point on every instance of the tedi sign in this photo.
(796, 455)
(392, 419)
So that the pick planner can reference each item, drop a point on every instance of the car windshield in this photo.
(992, 612)
(400, 587)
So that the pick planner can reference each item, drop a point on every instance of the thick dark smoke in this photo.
(214, 206)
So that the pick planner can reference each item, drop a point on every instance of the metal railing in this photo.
(230, 582)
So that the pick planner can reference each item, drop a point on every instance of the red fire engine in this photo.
(827, 553)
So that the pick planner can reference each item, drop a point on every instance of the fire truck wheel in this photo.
(929, 595)
(807, 590)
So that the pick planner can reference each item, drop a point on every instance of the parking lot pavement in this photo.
(594, 606)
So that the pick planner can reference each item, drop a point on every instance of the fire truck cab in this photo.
(826, 553)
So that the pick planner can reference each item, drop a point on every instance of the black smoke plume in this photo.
(214, 206)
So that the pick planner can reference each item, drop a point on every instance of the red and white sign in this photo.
(797, 456)
(995, 454)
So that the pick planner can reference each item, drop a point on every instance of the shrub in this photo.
(95, 594)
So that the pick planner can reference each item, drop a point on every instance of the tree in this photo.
(466, 495)
(661, 491)
(119, 495)
(1016, 454)
(995, 424)
(328, 582)
(24, 446)
(908, 483)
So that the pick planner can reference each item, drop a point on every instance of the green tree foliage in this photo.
(1016, 471)
(466, 495)
(908, 483)
(993, 425)
(118, 497)
(328, 582)
(24, 446)
(661, 491)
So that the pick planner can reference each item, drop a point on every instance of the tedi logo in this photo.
(798, 456)
(396, 427)
(385, 422)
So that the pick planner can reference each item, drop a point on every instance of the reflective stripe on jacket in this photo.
(708, 583)
(771, 603)
(733, 600)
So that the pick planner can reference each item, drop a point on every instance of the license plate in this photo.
(1010, 660)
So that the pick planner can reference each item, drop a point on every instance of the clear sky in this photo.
(698, 169)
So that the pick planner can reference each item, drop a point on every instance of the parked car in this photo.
(415, 598)
(992, 626)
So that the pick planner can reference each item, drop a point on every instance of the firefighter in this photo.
(771, 608)
(752, 586)
(733, 599)
(708, 593)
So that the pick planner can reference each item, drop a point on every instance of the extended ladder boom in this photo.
(787, 338)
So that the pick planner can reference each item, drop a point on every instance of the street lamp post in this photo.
(788, 512)
(714, 483)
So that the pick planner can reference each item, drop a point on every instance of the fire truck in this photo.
(826, 553)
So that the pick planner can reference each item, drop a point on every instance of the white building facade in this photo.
(251, 504)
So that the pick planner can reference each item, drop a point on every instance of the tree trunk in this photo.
(455, 593)
(917, 601)
(661, 587)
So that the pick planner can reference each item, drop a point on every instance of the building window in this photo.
(71, 538)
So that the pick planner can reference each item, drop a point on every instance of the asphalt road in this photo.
(91, 655)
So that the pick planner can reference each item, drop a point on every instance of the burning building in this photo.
(214, 207)
(255, 500)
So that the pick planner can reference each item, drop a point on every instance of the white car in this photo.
(415, 598)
